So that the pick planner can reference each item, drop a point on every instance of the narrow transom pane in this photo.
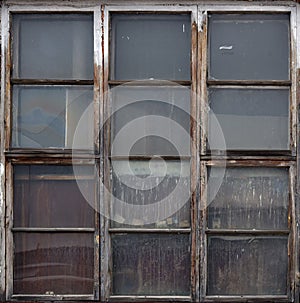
(147, 46)
(53, 46)
(53, 116)
(241, 266)
(151, 264)
(57, 263)
(248, 198)
(249, 46)
(53, 196)
(153, 193)
(249, 119)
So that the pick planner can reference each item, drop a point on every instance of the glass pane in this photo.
(247, 265)
(57, 263)
(249, 198)
(52, 196)
(150, 120)
(249, 46)
(56, 116)
(151, 264)
(250, 119)
(150, 46)
(152, 193)
(53, 46)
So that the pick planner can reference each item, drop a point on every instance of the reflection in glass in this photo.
(150, 120)
(53, 46)
(162, 186)
(250, 119)
(247, 265)
(249, 46)
(50, 196)
(45, 117)
(150, 46)
(59, 263)
(249, 198)
(151, 264)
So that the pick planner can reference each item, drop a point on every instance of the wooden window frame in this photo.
(200, 158)
(50, 156)
(249, 158)
(106, 270)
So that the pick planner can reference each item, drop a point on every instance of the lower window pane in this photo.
(58, 263)
(248, 198)
(247, 265)
(54, 196)
(152, 193)
(151, 264)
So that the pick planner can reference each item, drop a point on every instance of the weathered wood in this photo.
(51, 82)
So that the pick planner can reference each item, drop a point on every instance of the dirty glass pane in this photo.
(52, 196)
(249, 46)
(151, 264)
(53, 46)
(56, 116)
(150, 120)
(153, 193)
(248, 198)
(247, 265)
(249, 119)
(147, 46)
(59, 263)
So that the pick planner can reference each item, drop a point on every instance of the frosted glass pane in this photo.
(150, 46)
(249, 46)
(56, 46)
(249, 119)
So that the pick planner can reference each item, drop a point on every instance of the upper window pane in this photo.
(53, 46)
(249, 46)
(249, 119)
(150, 120)
(56, 116)
(150, 46)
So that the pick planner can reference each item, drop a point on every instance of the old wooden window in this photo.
(249, 152)
(150, 152)
(52, 246)
(149, 82)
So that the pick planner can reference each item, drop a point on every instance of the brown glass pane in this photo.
(45, 117)
(249, 198)
(151, 264)
(49, 196)
(247, 265)
(53, 46)
(150, 46)
(150, 120)
(155, 191)
(249, 119)
(249, 46)
(58, 263)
